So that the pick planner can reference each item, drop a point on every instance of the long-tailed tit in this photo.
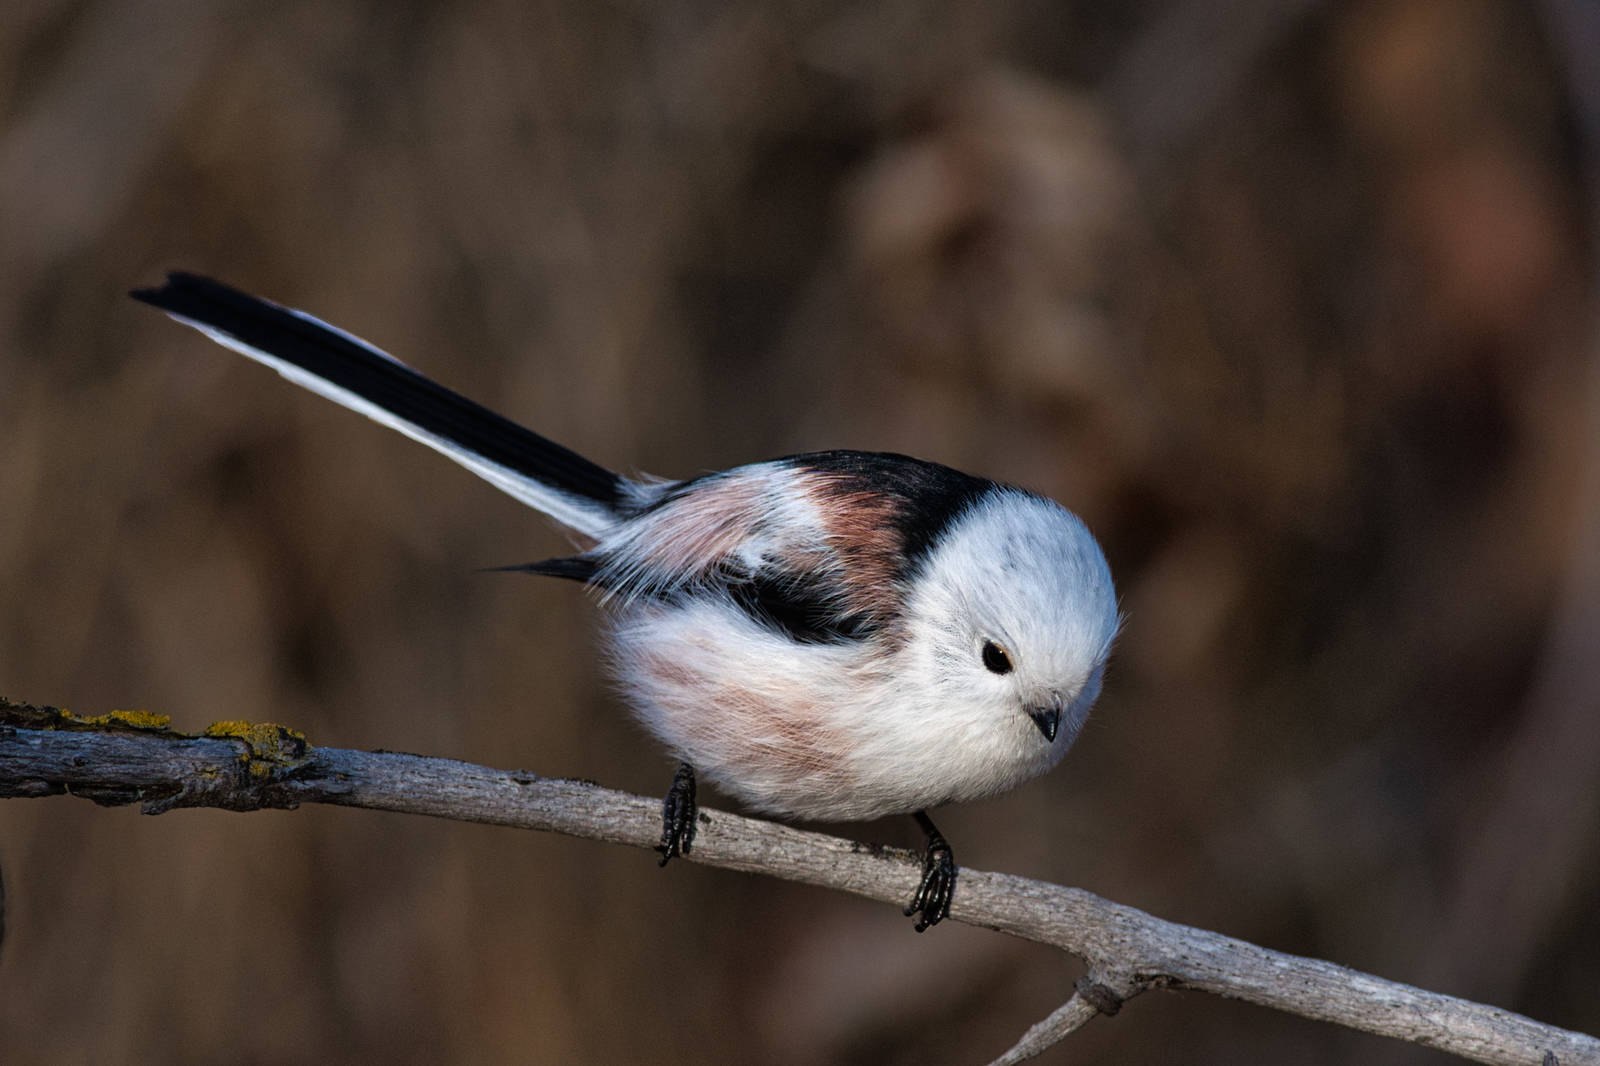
(835, 636)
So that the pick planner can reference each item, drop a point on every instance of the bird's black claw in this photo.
(932, 899)
(679, 812)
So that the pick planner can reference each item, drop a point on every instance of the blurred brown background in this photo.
(1292, 301)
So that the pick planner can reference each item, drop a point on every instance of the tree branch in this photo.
(1094, 995)
(132, 757)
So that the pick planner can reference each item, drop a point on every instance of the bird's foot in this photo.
(679, 811)
(932, 899)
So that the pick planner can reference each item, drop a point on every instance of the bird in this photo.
(830, 636)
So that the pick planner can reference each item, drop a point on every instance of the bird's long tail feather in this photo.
(571, 489)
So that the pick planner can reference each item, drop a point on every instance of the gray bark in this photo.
(44, 752)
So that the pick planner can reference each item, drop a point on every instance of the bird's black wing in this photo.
(803, 607)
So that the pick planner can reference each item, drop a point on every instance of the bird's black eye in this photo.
(995, 659)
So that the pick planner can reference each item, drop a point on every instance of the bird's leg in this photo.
(678, 814)
(938, 887)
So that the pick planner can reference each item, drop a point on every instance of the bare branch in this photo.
(1094, 995)
(1061, 1023)
(133, 758)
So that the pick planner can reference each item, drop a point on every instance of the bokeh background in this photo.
(1292, 301)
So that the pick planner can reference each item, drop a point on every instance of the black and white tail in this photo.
(541, 473)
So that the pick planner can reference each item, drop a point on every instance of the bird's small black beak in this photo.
(1048, 719)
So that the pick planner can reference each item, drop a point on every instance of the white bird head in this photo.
(1014, 614)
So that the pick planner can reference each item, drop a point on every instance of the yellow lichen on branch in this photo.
(135, 719)
(269, 746)
(60, 718)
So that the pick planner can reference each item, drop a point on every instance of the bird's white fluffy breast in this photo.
(763, 717)
(834, 732)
